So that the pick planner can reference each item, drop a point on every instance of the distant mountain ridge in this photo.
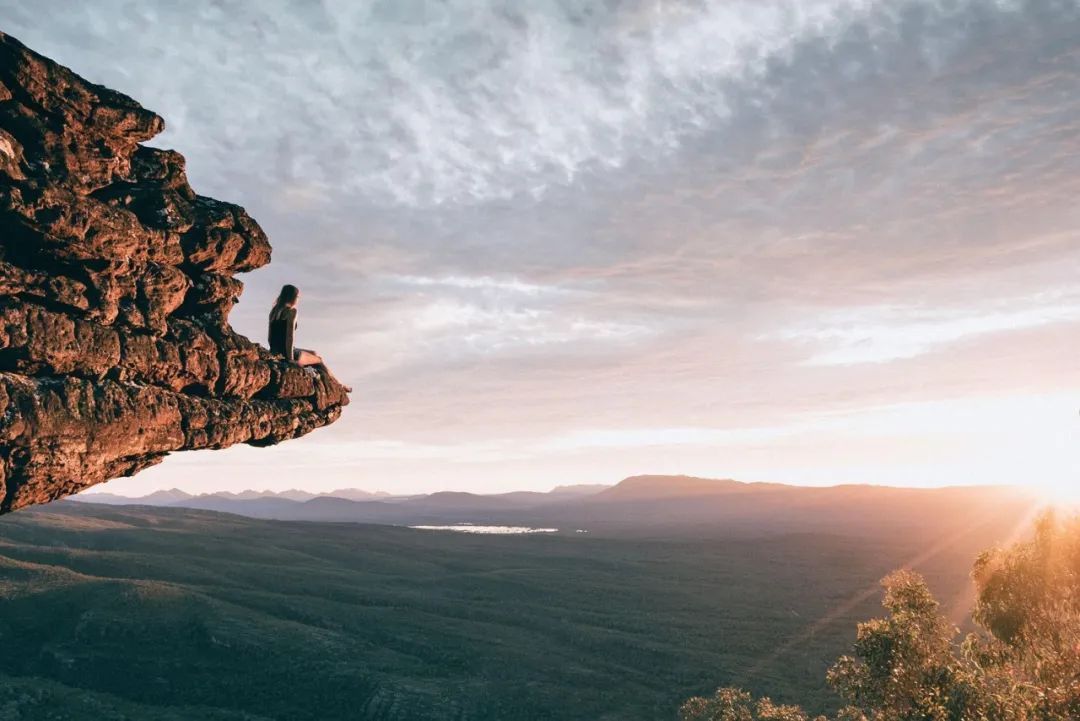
(222, 500)
(177, 497)
(639, 504)
(654, 487)
(642, 486)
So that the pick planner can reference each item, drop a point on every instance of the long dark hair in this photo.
(287, 296)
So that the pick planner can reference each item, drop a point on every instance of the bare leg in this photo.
(311, 358)
(307, 357)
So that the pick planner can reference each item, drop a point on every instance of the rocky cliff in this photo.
(116, 282)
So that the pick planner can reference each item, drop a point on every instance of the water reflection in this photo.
(470, 528)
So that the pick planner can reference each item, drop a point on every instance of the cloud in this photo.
(425, 103)
(880, 334)
(569, 219)
(432, 102)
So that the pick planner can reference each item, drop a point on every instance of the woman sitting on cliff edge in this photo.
(282, 326)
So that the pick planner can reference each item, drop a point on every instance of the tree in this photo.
(905, 667)
(1029, 607)
(1022, 664)
(732, 704)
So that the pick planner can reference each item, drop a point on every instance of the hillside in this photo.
(159, 610)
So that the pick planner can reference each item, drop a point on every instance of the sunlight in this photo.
(849, 604)
(1063, 496)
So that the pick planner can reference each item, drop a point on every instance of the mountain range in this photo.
(177, 497)
(183, 499)
(648, 503)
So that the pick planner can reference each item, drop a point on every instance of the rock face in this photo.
(116, 282)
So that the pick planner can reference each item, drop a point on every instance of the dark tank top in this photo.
(282, 324)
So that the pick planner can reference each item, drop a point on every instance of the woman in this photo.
(282, 325)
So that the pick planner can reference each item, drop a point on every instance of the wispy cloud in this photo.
(634, 222)
(436, 102)
(880, 334)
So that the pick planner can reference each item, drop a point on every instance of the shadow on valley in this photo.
(169, 613)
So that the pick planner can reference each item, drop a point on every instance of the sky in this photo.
(550, 242)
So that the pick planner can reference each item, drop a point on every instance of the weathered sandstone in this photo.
(116, 282)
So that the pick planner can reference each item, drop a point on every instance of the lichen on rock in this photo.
(116, 282)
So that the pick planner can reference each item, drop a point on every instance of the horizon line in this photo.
(101, 490)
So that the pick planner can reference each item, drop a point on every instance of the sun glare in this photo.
(1064, 496)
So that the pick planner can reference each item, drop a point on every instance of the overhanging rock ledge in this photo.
(116, 282)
